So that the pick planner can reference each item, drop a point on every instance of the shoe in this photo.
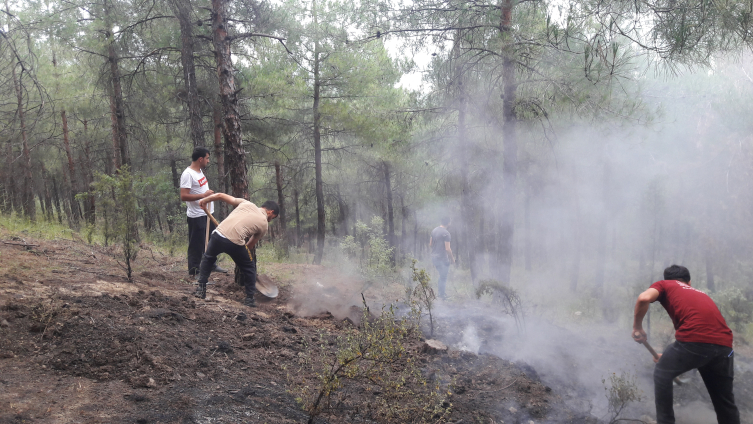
(250, 302)
(201, 291)
(218, 268)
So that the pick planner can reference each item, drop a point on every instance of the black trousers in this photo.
(239, 254)
(715, 363)
(197, 232)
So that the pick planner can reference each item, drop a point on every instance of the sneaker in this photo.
(250, 302)
(218, 268)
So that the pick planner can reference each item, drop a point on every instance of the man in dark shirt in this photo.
(703, 341)
(441, 254)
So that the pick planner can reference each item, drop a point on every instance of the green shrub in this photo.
(375, 359)
(621, 391)
(735, 307)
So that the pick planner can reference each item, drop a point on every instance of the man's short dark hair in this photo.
(271, 205)
(677, 272)
(199, 153)
(446, 220)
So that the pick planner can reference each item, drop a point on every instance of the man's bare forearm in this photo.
(641, 308)
(230, 200)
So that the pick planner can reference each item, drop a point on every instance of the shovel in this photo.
(651, 350)
(264, 284)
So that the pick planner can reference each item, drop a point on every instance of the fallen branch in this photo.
(20, 244)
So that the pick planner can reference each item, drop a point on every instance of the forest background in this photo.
(584, 144)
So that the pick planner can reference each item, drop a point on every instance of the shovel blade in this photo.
(265, 286)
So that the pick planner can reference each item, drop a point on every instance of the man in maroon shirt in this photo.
(703, 341)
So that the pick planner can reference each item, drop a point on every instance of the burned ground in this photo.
(80, 344)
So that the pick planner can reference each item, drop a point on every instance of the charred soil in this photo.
(78, 343)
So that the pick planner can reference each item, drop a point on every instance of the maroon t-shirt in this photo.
(696, 317)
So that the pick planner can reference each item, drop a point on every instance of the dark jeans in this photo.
(197, 232)
(443, 267)
(239, 254)
(715, 363)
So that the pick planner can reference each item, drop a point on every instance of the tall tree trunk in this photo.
(509, 150)
(390, 208)
(231, 128)
(528, 239)
(90, 204)
(710, 283)
(219, 155)
(297, 219)
(29, 205)
(281, 200)
(117, 109)
(55, 197)
(182, 10)
(320, 218)
(468, 198)
(10, 181)
(75, 212)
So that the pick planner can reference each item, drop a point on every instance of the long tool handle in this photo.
(656, 356)
(651, 350)
(206, 239)
(209, 215)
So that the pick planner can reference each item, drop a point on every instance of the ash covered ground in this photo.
(80, 344)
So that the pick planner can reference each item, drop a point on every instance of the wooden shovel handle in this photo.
(651, 349)
(656, 356)
(209, 215)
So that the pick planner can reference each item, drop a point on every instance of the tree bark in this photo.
(320, 217)
(117, 110)
(75, 211)
(219, 155)
(297, 219)
(509, 151)
(390, 209)
(29, 205)
(89, 204)
(55, 197)
(182, 10)
(231, 128)
(281, 200)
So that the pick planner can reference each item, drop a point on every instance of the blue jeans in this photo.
(715, 363)
(443, 267)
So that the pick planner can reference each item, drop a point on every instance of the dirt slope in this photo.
(80, 344)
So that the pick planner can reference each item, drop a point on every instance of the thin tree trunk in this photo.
(528, 239)
(89, 204)
(390, 209)
(281, 200)
(117, 110)
(176, 185)
(29, 205)
(297, 219)
(510, 150)
(10, 181)
(75, 212)
(231, 128)
(320, 218)
(55, 198)
(182, 10)
(710, 283)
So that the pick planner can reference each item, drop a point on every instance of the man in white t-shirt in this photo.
(194, 187)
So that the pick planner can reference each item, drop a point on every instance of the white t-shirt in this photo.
(196, 183)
